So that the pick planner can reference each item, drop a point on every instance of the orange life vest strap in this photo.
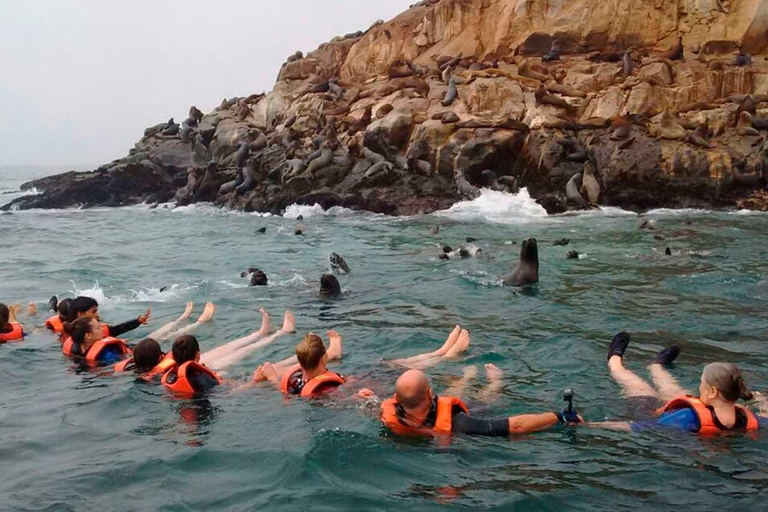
(16, 333)
(127, 365)
(707, 425)
(289, 375)
(177, 379)
(443, 422)
(322, 382)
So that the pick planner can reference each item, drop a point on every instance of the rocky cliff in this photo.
(633, 103)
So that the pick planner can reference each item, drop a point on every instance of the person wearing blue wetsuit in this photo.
(715, 409)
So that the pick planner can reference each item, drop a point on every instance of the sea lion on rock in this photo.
(229, 186)
(676, 52)
(450, 117)
(243, 111)
(338, 263)
(746, 180)
(399, 69)
(451, 94)
(376, 169)
(525, 70)
(572, 191)
(744, 126)
(384, 110)
(626, 62)
(590, 184)
(325, 159)
(743, 59)
(335, 89)
(760, 123)
(171, 128)
(249, 181)
(566, 90)
(527, 270)
(329, 286)
(544, 98)
(465, 188)
(195, 113)
(699, 136)
(668, 128)
(241, 155)
(447, 73)
(748, 104)
(186, 133)
(575, 151)
(420, 166)
(554, 52)
(362, 123)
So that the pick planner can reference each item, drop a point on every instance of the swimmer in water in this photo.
(88, 307)
(10, 328)
(86, 342)
(193, 371)
(713, 411)
(416, 411)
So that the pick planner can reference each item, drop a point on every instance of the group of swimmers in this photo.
(414, 409)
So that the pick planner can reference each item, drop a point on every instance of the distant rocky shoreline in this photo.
(420, 112)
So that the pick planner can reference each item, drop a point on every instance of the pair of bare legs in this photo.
(15, 311)
(235, 351)
(274, 371)
(172, 330)
(456, 344)
(489, 392)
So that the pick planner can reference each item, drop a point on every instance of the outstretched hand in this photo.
(143, 319)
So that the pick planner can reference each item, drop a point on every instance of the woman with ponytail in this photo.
(86, 341)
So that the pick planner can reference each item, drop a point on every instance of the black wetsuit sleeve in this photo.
(465, 424)
(117, 330)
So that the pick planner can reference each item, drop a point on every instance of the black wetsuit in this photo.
(117, 330)
(463, 423)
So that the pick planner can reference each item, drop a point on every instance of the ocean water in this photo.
(84, 441)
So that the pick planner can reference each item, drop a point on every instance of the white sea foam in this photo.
(680, 211)
(306, 211)
(498, 207)
(167, 294)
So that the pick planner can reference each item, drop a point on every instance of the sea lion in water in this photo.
(562, 242)
(329, 286)
(572, 255)
(554, 52)
(338, 263)
(258, 277)
(572, 191)
(590, 184)
(744, 126)
(676, 52)
(53, 304)
(527, 270)
(451, 94)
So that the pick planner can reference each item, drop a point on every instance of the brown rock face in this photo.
(457, 94)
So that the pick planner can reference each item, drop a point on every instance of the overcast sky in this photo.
(81, 79)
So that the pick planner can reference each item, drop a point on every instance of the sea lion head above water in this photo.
(329, 286)
(527, 270)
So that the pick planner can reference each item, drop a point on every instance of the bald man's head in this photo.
(412, 389)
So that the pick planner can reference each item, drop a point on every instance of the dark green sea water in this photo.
(85, 441)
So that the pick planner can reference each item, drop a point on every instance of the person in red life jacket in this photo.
(10, 329)
(188, 376)
(309, 377)
(416, 411)
(86, 341)
(88, 307)
(55, 323)
(714, 411)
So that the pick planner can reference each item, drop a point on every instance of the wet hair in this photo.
(5, 314)
(81, 305)
(146, 355)
(185, 349)
(63, 307)
(727, 379)
(79, 328)
(329, 285)
(310, 352)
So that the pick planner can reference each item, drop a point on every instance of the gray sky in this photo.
(81, 79)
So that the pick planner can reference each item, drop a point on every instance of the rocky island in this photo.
(631, 103)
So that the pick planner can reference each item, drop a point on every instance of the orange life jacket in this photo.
(706, 418)
(443, 422)
(179, 379)
(129, 365)
(16, 333)
(71, 349)
(314, 387)
(55, 324)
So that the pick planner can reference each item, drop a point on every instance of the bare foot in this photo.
(264, 321)
(32, 309)
(208, 312)
(334, 345)
(470, 372)
(289, 323)
(269, 371)
(449, 342)
(258, 375)
(493, 373)
(187, 311)
(461, 345)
